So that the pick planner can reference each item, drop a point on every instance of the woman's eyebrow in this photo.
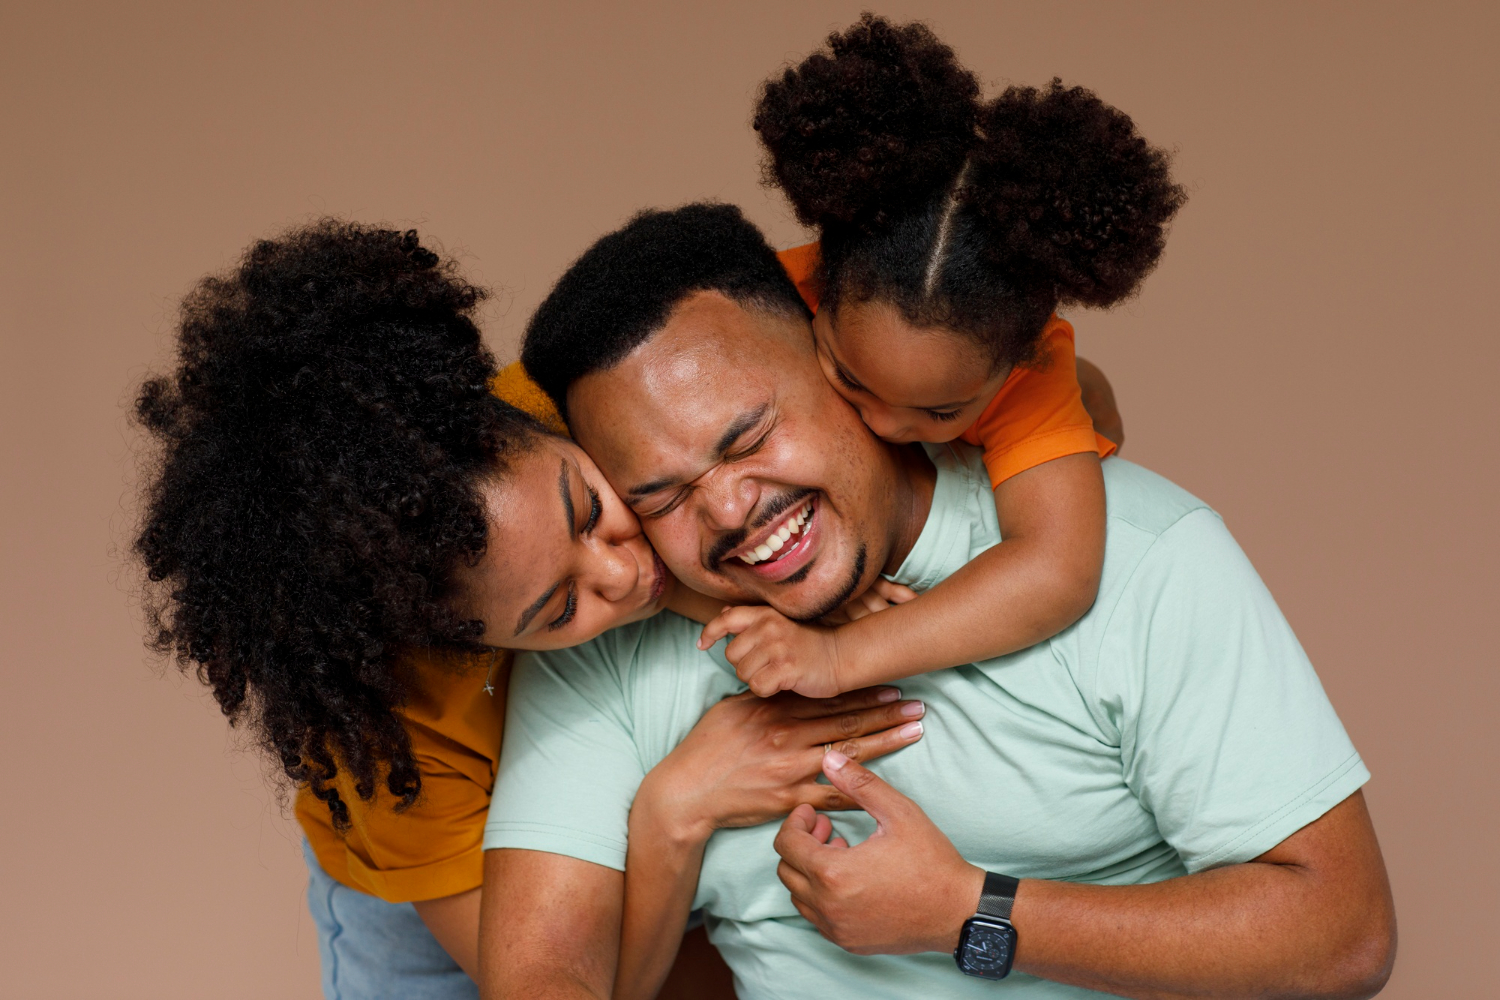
(536, 606)
(565, 490)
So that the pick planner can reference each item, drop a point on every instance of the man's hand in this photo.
(905, 889)
(772, 653)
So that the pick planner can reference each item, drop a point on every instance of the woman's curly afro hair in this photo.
(320, 444)
(981, 217)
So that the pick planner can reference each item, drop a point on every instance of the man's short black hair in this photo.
(621, 291)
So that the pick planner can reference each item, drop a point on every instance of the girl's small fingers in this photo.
(730, 621)
(838, 842)
(893, 592)
(822, 828)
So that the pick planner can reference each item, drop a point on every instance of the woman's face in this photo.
(565, 559)
(909, 383)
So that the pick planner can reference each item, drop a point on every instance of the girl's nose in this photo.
(880, 420)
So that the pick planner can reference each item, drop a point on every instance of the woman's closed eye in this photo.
(570, 608)
(943, 414)
(596, 509)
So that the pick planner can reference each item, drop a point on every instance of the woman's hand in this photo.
(751, 760)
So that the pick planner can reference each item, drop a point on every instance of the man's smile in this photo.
(784, 546)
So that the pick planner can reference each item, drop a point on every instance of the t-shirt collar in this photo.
(932, 558)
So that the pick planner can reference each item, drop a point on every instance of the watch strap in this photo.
(998, 896)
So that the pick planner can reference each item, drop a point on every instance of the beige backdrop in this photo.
(1316, 357)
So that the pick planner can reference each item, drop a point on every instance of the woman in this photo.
(347, 531)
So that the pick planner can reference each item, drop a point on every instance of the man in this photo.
(1165, 778)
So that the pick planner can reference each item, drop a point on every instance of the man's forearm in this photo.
(1269, 928)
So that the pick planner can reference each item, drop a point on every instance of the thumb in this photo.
(886, 805)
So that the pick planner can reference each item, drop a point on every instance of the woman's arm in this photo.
(748, 761)
(454, 921)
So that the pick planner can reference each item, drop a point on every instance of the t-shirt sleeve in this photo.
(1038, 414)
(1226, 734)
(569, 767)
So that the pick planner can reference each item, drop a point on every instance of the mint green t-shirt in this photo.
(1177, 726)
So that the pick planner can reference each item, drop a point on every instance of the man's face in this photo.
(754, 479)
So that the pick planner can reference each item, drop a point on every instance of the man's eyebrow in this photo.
(565, 490)
(742, 423)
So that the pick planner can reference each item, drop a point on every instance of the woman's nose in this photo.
(616, 572)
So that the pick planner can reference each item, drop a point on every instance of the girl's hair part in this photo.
(981, 217)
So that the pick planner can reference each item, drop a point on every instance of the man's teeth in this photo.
(779, 538)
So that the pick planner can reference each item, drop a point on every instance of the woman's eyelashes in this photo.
(570, 608)
(943, 414)
(596, 510)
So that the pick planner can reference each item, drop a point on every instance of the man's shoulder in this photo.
(1145, 500)
(620, 649)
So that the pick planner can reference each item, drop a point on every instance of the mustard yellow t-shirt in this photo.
(432, 849)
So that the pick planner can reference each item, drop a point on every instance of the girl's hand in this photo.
(881, 594)
(772, 653)
(751, 760)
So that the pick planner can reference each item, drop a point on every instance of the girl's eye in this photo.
(943, 414)
(845, 380)
(596, 509)
(569, 610)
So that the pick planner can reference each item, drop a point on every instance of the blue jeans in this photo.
(374, 950)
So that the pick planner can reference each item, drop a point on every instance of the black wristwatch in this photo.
(987, 944)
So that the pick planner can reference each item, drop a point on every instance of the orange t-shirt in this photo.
(1038, 413)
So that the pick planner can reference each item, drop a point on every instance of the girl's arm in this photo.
(1039, 580)
(748, 761)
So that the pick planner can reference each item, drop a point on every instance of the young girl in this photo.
(951, 231)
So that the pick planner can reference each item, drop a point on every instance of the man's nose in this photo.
(727, 499)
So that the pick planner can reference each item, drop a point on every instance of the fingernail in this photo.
(911, 730)
(888, 695)
(834, 761)
(914, 710)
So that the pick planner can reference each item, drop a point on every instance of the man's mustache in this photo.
(769, 511)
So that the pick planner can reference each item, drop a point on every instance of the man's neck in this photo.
(911, 500)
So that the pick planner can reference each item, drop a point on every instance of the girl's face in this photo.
(565, 559)
(909, 383)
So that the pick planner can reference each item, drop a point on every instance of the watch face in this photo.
(986, 949)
